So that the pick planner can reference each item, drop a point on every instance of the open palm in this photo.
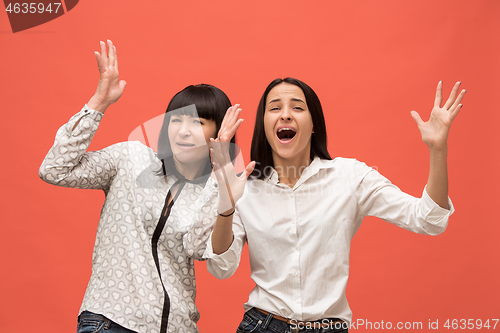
(231, 186)
(435, 131)
(110, 87)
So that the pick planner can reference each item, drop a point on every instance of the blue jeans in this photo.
(89, 322)
(258, 322)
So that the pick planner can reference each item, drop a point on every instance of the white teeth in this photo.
(286, 128)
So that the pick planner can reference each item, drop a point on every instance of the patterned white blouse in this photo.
(125, 285)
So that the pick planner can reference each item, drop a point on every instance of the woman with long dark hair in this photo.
(300, 208)
(157, 206)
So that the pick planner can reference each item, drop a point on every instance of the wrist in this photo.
(438, 150)
(224, 206)
(227, 213)
(95, 104)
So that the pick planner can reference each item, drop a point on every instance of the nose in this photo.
(185, 129)
(286, 115)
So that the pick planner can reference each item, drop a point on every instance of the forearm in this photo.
(222, 235)
(437, 183)
(225, 245)
(67, 163)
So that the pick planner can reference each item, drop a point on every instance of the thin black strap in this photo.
(165, 213)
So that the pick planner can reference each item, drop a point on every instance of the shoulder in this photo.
(340, 163)
(344, 167)
(131, 145)
(130, 148)
(135, 159)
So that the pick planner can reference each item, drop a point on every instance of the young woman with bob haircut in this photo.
(299, 210)
(157, 206)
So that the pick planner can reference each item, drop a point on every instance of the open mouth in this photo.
(286, 134)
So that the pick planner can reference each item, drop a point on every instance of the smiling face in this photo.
(190, 141)
(288, 124)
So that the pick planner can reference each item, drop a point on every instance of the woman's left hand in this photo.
(231, 186)
(230, 124)
(435, 131)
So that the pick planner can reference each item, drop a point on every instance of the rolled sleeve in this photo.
(223, 265)
(434, 211)
(436, 217)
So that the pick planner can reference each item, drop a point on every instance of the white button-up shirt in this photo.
(299, 238)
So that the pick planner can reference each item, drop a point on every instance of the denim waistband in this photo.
(107, 324)
(279, 324)
(267, 321)
(91, 315)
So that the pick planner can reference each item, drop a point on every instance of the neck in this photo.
(290, 169)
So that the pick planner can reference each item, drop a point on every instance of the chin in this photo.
(292, 152)
(284, 154)
(190, 157)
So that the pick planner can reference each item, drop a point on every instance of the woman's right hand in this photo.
(110, 88)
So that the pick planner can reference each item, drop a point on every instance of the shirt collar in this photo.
(312, 169)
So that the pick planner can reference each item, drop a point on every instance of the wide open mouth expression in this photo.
(288, 122)
(285, 134)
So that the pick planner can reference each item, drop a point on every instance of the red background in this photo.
(371, 63)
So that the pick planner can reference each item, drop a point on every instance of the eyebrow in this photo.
(293, 99)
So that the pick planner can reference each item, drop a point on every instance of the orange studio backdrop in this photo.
(371, 63)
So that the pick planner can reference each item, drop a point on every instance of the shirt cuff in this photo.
(224, 261)
(88, 119)
(432, 210)
(86, 110)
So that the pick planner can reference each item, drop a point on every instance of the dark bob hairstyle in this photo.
(211, 103)
(261, 151)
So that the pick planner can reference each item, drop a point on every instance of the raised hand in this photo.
(231, 186)
(110, 88)
(435, 131)
(230, 124)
